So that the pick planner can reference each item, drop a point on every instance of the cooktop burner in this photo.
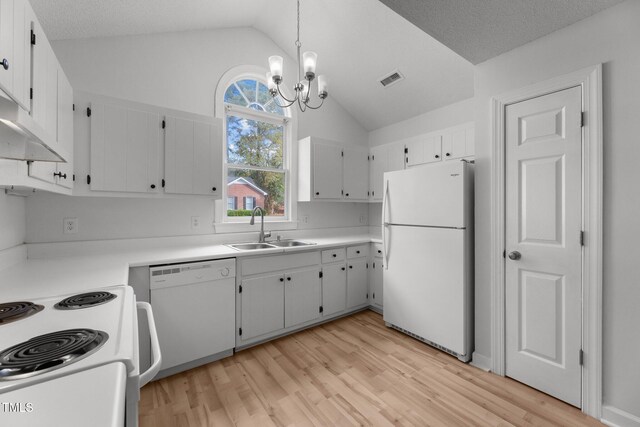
(12, 311)
(48, 352)
(89, 299)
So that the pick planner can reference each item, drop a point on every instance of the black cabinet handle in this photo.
(60, 175)
(153, 186)
(379, 251)
(343, 269)
(437, 156)
(347, 194)
(5, 63)
(334, 255)
(213, 188)
(317, 193)
(448, 154)
(282, 279)
(288, 279)
(351, 266)
(357, 252)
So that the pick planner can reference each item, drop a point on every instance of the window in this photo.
(256, 150)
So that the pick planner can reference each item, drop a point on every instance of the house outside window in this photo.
(256, 130)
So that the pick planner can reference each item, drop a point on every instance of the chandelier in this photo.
(303, 87)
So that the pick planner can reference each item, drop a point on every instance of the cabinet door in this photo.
(262, 301)
(334, 288)
(433, 149)
(454, 145)
(193, 153)
(6, 44)
(357, 292)
(376, 288)
(302, 296)
(65, 130)
(124, 149)
(327, 172)
(22, 53)
(415, 152)
(355, 174)
(395, 157)
(377, 167)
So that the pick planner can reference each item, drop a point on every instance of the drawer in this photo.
(279, 262)
(377, 249)
(333, 255)
(357, 251)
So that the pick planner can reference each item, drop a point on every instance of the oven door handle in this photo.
(153, 370)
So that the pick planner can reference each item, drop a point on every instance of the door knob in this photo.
(515, 255)
(4, 63)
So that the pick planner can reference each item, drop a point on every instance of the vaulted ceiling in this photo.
(357, 41)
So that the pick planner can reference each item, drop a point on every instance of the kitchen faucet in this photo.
(262, 235)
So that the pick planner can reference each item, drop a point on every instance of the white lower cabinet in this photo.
(262, 305)
(302, 296)
(376, 282)
(334, 288)
(357, 289)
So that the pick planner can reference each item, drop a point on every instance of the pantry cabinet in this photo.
(193, 156)
(331, 171)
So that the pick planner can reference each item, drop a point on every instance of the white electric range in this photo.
(73, 359)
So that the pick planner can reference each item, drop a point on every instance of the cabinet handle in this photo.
(437, 156)
(334, 255)
(351, 266)
(379, 251)
(282, 279)
(317, 193)
(343, 269)
(289, 279)
(448, 154)
(5, 63)
(153, 186)
(213, 188)
(347, 194)
(357, 252)
(60, 175)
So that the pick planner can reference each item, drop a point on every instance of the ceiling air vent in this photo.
(392, 78)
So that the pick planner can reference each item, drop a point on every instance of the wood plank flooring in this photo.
(353, 371)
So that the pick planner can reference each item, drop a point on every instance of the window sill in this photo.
(240, 227)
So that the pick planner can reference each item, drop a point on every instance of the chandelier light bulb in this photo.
(309, 61)
(276, 65)
(323, 85)
(271, 84)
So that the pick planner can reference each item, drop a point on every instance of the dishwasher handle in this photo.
(153, 370)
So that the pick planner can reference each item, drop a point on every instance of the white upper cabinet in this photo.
(23, 17)
(421, 150)
(124, 149)
(193, 156)
(6, 45)
(327, 171)
(448, 144)
(383, 158)
(458, 144)
(355, 174)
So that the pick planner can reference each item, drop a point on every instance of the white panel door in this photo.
(262, 300)
(543, 220)
(356, 174)
(334, 288)
(327, 171)
(302, 296)
(357, 289)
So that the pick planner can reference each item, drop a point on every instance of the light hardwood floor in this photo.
(353, 371)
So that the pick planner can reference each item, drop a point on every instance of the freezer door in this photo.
(433, 195)
(425, 282)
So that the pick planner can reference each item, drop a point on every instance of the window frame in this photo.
(287, 138)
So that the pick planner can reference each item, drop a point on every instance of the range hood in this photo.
(21, 138)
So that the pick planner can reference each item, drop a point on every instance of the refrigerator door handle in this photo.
(385, 224)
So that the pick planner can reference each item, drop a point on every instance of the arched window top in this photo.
(254, 94)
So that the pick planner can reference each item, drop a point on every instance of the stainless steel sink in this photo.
(290, 243)
(251, 246)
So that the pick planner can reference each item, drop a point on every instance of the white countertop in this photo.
(43, 277)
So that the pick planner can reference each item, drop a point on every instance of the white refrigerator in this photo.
(427, 233)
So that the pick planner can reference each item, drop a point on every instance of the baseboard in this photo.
(481, 361)
(615, 417)
(12, 256)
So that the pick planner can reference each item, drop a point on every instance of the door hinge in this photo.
(342, 154)
(163, 183)
(342, 192)
(581, 238)
(33, 38)
(73, 107)
(88, 179)
(164, 124)
(583, 118)
(406, 150)
(368, 193)
(30, 93)
(374, 295)
(367, 295)
(88, 111)
(320, 274)
(321, 309)
(373, 157)
(581, 357)
(504, 254)
(74, 177)
(240, 289)
(374, 265)
(368, 157)
(240, 331)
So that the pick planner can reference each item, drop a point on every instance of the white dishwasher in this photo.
(194, 307)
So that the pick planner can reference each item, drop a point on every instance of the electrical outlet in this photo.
(363, 219)
(305, 219)
(70, 225)
(195, 222)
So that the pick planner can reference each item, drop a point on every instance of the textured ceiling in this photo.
(357, 41)
(479, 30)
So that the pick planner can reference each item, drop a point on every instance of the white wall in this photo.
(610, 37)
(178, 71)
(12, 220)
(441, 118)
